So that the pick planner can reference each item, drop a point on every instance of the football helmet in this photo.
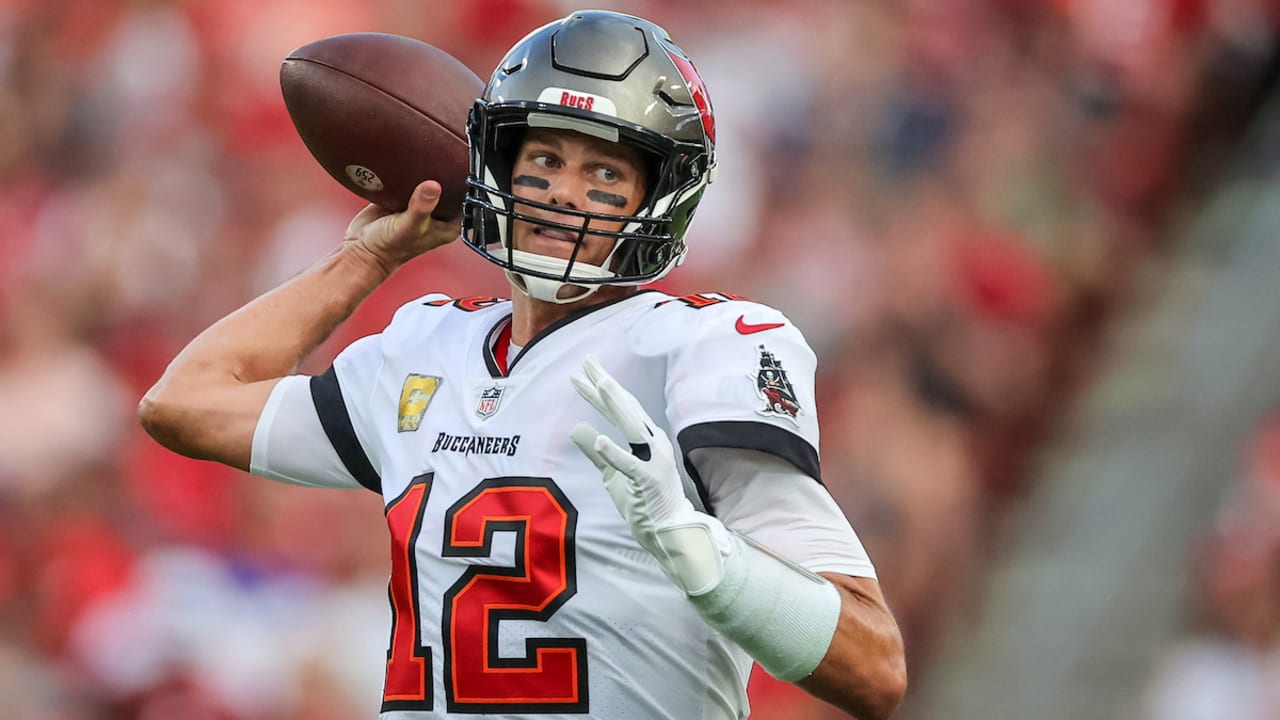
(610, 76)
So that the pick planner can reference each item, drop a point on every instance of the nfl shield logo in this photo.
(489, 399)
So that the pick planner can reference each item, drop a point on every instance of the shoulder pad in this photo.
(732, 311)
(466, 304)
(417, 319)
(703, 315)
(698, 301)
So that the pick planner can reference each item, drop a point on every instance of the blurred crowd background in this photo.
(951, 199)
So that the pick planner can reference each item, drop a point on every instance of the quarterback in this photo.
(603, 501)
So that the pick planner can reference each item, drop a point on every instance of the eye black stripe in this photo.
(531, 181)
(607, 198)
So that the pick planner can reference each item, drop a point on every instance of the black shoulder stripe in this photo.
(327, 395)
(703, 494)
(747, 435)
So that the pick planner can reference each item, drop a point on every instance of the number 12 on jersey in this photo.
(551, 677)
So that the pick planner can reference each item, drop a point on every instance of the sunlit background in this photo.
(1033, 242)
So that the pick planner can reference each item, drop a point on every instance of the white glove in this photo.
(783, 616)
(645, 485)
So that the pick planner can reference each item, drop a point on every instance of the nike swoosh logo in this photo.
(746, 328)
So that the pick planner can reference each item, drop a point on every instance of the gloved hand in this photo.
(645, 485)
(783, 616)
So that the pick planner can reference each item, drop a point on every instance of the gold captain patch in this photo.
(415, 396)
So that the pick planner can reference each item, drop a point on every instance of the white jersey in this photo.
(517, 590)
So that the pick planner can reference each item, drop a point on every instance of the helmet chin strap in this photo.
(546, 289)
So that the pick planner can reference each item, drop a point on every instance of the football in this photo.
(381, 113)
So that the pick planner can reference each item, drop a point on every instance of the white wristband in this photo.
(783, 615)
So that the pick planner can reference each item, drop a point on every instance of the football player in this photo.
(603, 501)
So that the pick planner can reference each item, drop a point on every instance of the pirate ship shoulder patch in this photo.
(774, 388)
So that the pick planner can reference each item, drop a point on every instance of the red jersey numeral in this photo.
(698, 301)
(408, 680)
(552, 676)
(467, 304)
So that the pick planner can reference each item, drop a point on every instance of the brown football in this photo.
(381, 113)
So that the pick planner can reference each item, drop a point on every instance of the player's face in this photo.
(579, 172)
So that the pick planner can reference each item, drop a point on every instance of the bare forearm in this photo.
(863, 672)
(207, 403)
(269, 337)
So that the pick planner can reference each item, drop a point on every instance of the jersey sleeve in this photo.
(342, 397)
(768, 500)
(289, 443)
(299, 444)
(743, 378)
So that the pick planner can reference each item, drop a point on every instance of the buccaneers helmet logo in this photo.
(697, 90)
